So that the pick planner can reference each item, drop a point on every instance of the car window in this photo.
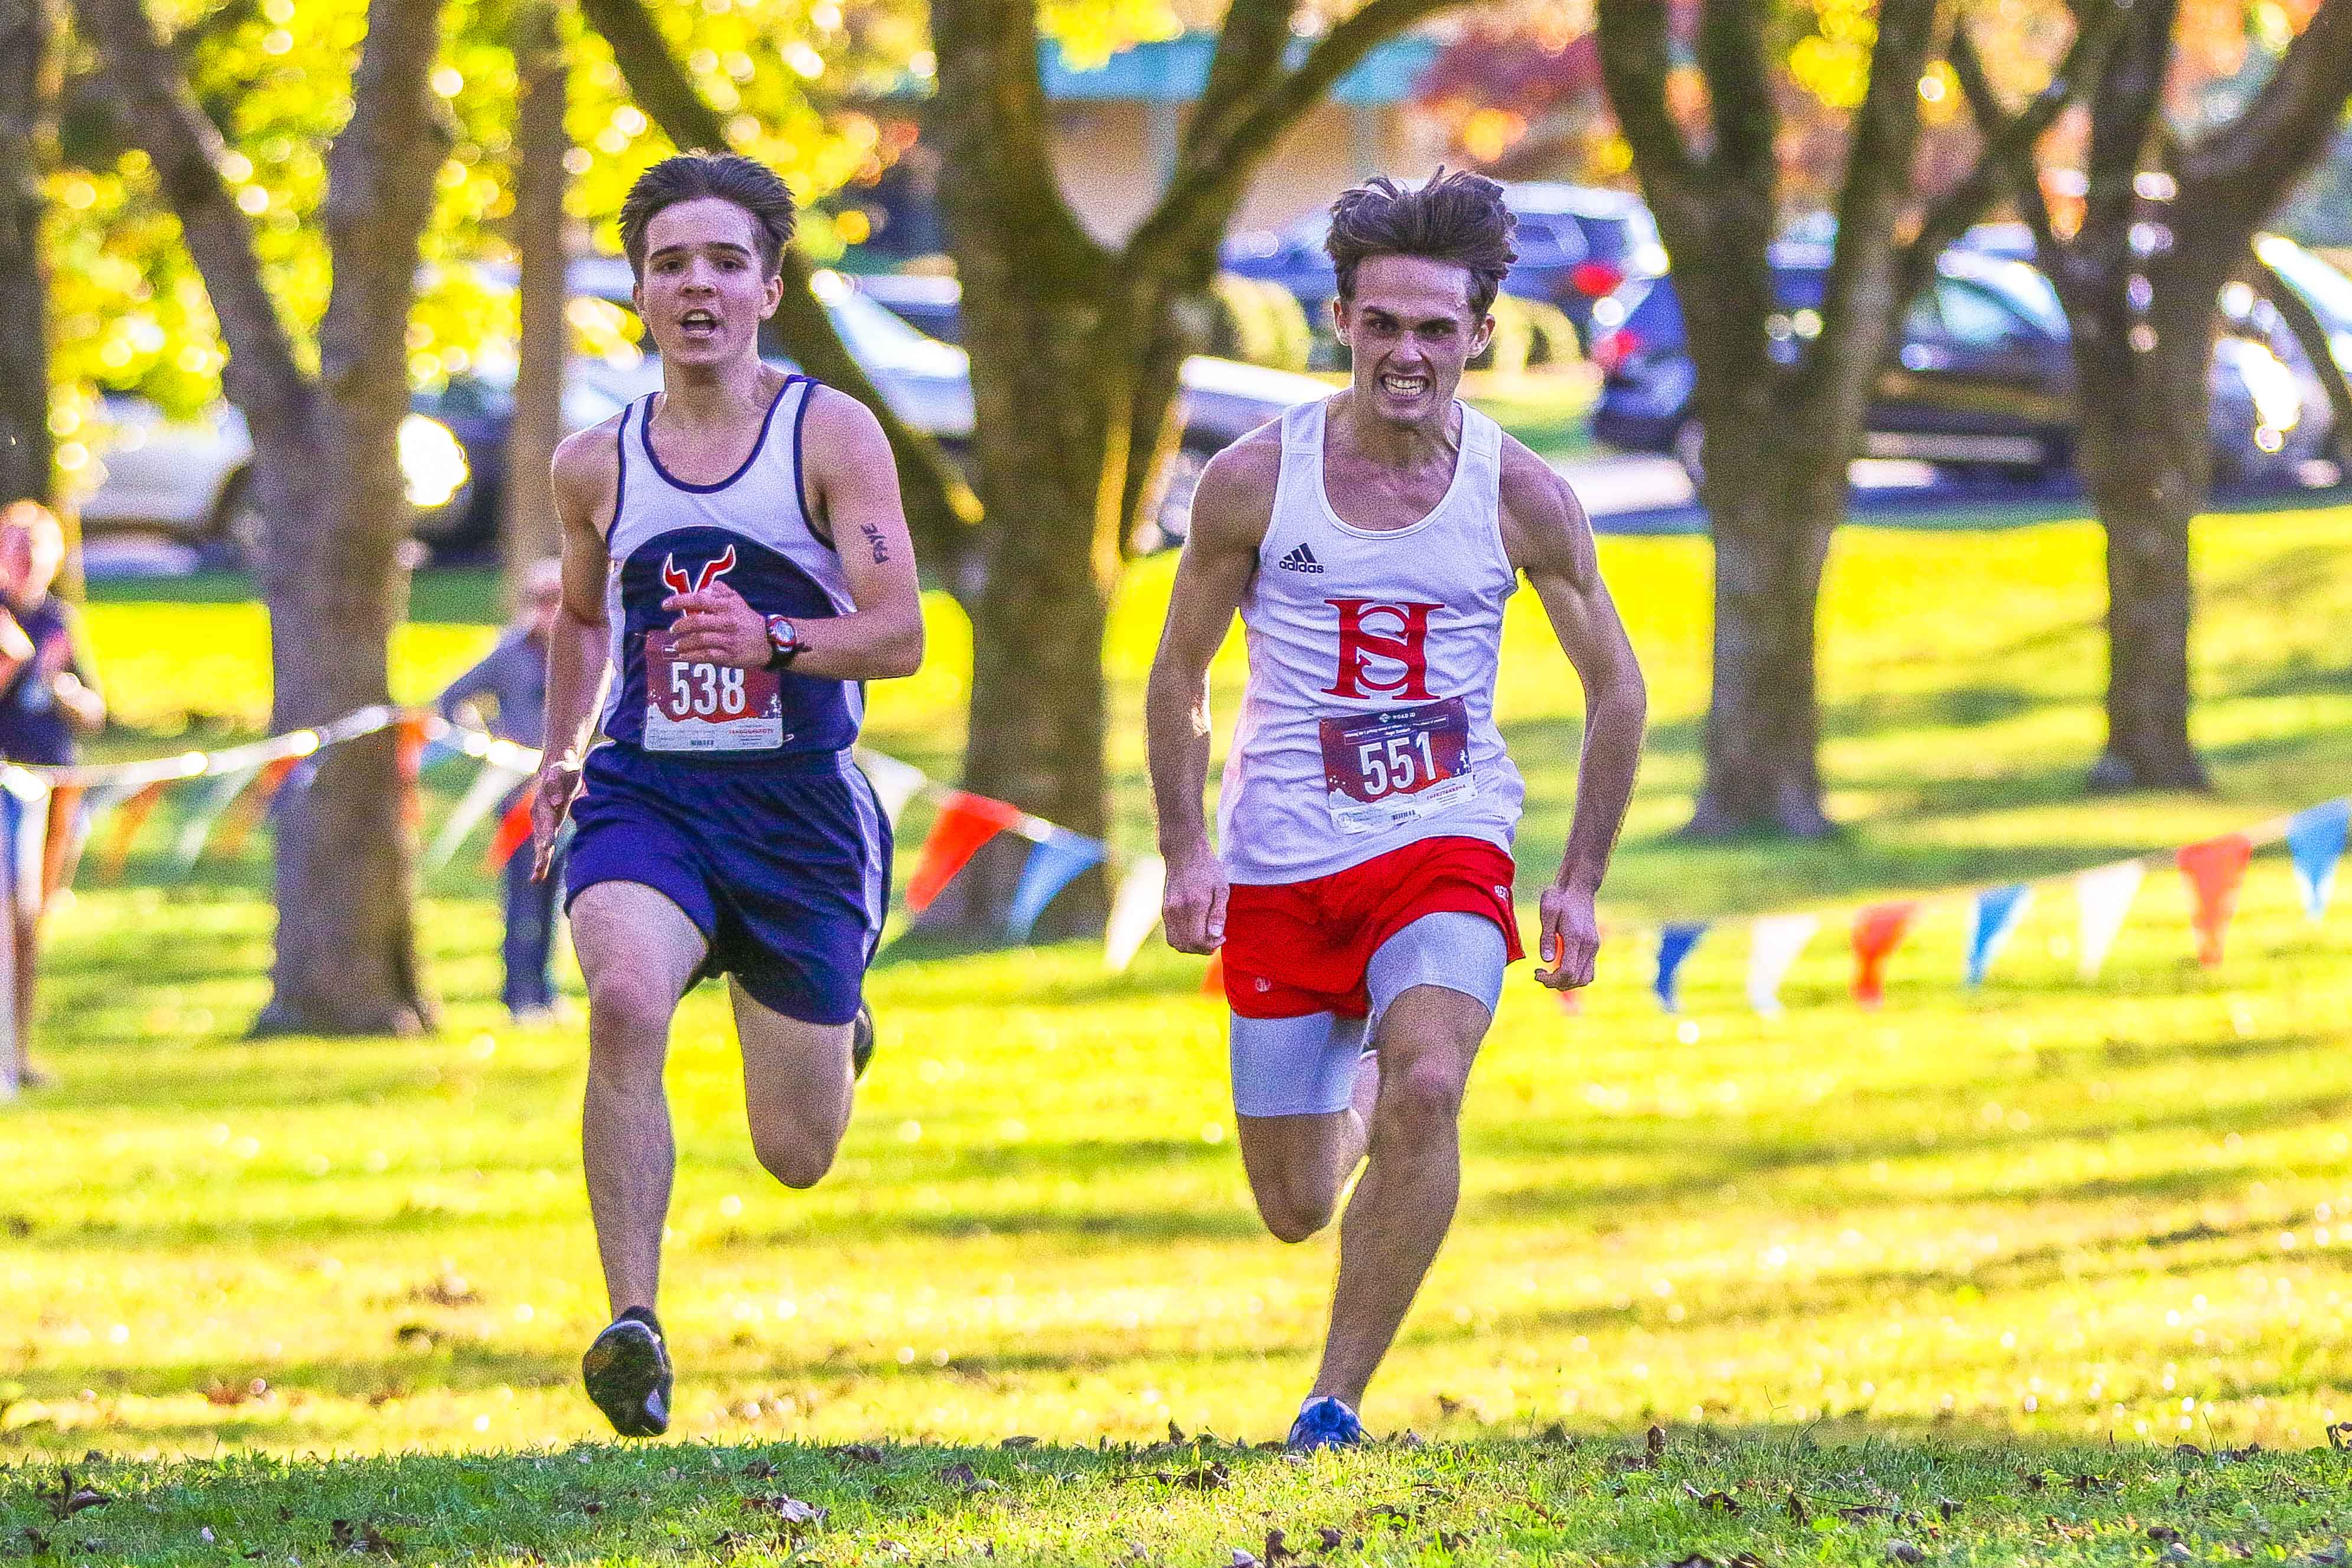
(1971, 316)
(2328, 291)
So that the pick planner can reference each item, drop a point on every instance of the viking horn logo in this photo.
(712, 570)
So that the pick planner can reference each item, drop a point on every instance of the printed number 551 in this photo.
(1397, 766)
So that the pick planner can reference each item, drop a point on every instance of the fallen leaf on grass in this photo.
(1021, 1442)
(34, 1543)
(1211, 1477)
(963, 1477)
(1721, 1502)
(1454, 1540)
(1330, 1538)
(1797, 1509)
(858, 1454)
(1654, 1440)
(1243, 1560)
(1904, 1552)
(1277, 1549)
(2162, 1533)
(228, 1396)
(789, 1510)
(761, 1470)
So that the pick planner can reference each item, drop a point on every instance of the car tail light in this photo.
(1594, 278)
(1610, 351)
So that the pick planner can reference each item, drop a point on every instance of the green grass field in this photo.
(2000, 1251)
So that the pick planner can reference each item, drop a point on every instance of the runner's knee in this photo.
(794, 1158)
(1423, 1096)
(1292, 1212)
(628, 1021)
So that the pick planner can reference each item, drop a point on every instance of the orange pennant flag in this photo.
(1877, 932)
(408, 754)
(1213, 980)
(129, 818)
(965, 822)
(2215, 869)
(514, 832)
(236, 823)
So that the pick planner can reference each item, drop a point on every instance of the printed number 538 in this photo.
(707, 691)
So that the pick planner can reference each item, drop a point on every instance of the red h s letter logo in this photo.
(1371, 629)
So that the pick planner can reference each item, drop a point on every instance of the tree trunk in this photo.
(1049, 401)
(346, 958)
(346, 863)
(2147, 458)
(26, 85)
(528, 530)
(1772, 502)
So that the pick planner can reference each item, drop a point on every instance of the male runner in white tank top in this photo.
(1362, 896)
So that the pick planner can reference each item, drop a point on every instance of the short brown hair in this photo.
(730, 177)
(1456, 218)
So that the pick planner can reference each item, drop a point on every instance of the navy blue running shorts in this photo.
(784, 865)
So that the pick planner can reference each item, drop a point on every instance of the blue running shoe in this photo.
(1325, 1423)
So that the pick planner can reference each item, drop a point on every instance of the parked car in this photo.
(1577, 246)
(1982, 378)
(192, 480)
(928, 383)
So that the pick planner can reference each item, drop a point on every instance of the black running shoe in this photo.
(627, 1373)
(861, 1042)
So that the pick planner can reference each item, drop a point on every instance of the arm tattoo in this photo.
(874, 541)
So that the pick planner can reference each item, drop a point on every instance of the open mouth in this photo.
(1404, 386)
(698, 324)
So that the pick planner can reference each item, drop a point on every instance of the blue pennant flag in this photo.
(1059, 858)
(435, 753)
(2316, 838)
(1674, 945)
(1991, 918)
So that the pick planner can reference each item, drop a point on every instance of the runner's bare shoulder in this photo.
(1233, 503)
(587, 474)
(1544, 524)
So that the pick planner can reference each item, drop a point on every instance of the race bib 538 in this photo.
(709, 707)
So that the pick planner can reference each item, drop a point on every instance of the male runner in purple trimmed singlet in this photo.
(734, 551)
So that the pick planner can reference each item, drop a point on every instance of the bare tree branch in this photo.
(2247, 165)
(1228, 155)
(992, 123)
(1731, 56)
(153, 106)
(2006, 160)
(1866, 288)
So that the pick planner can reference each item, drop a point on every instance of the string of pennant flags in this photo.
(241, 784)
(2213, 868)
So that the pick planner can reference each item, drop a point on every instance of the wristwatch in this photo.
(783, 642)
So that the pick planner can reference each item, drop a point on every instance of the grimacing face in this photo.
(1409, 328)
(702, 291)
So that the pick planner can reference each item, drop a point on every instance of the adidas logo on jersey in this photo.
(1300, 559)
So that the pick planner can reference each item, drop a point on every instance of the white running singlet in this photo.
(1368, 720)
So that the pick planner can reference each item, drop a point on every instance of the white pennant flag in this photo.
(489, 786)
(1773, 944)
(1134, 911)
(2104, 895)
(895, 782)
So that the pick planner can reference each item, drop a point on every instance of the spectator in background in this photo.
(514, 679)
(48, 699)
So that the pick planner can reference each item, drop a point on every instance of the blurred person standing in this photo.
(48, 700)
(512, 678)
